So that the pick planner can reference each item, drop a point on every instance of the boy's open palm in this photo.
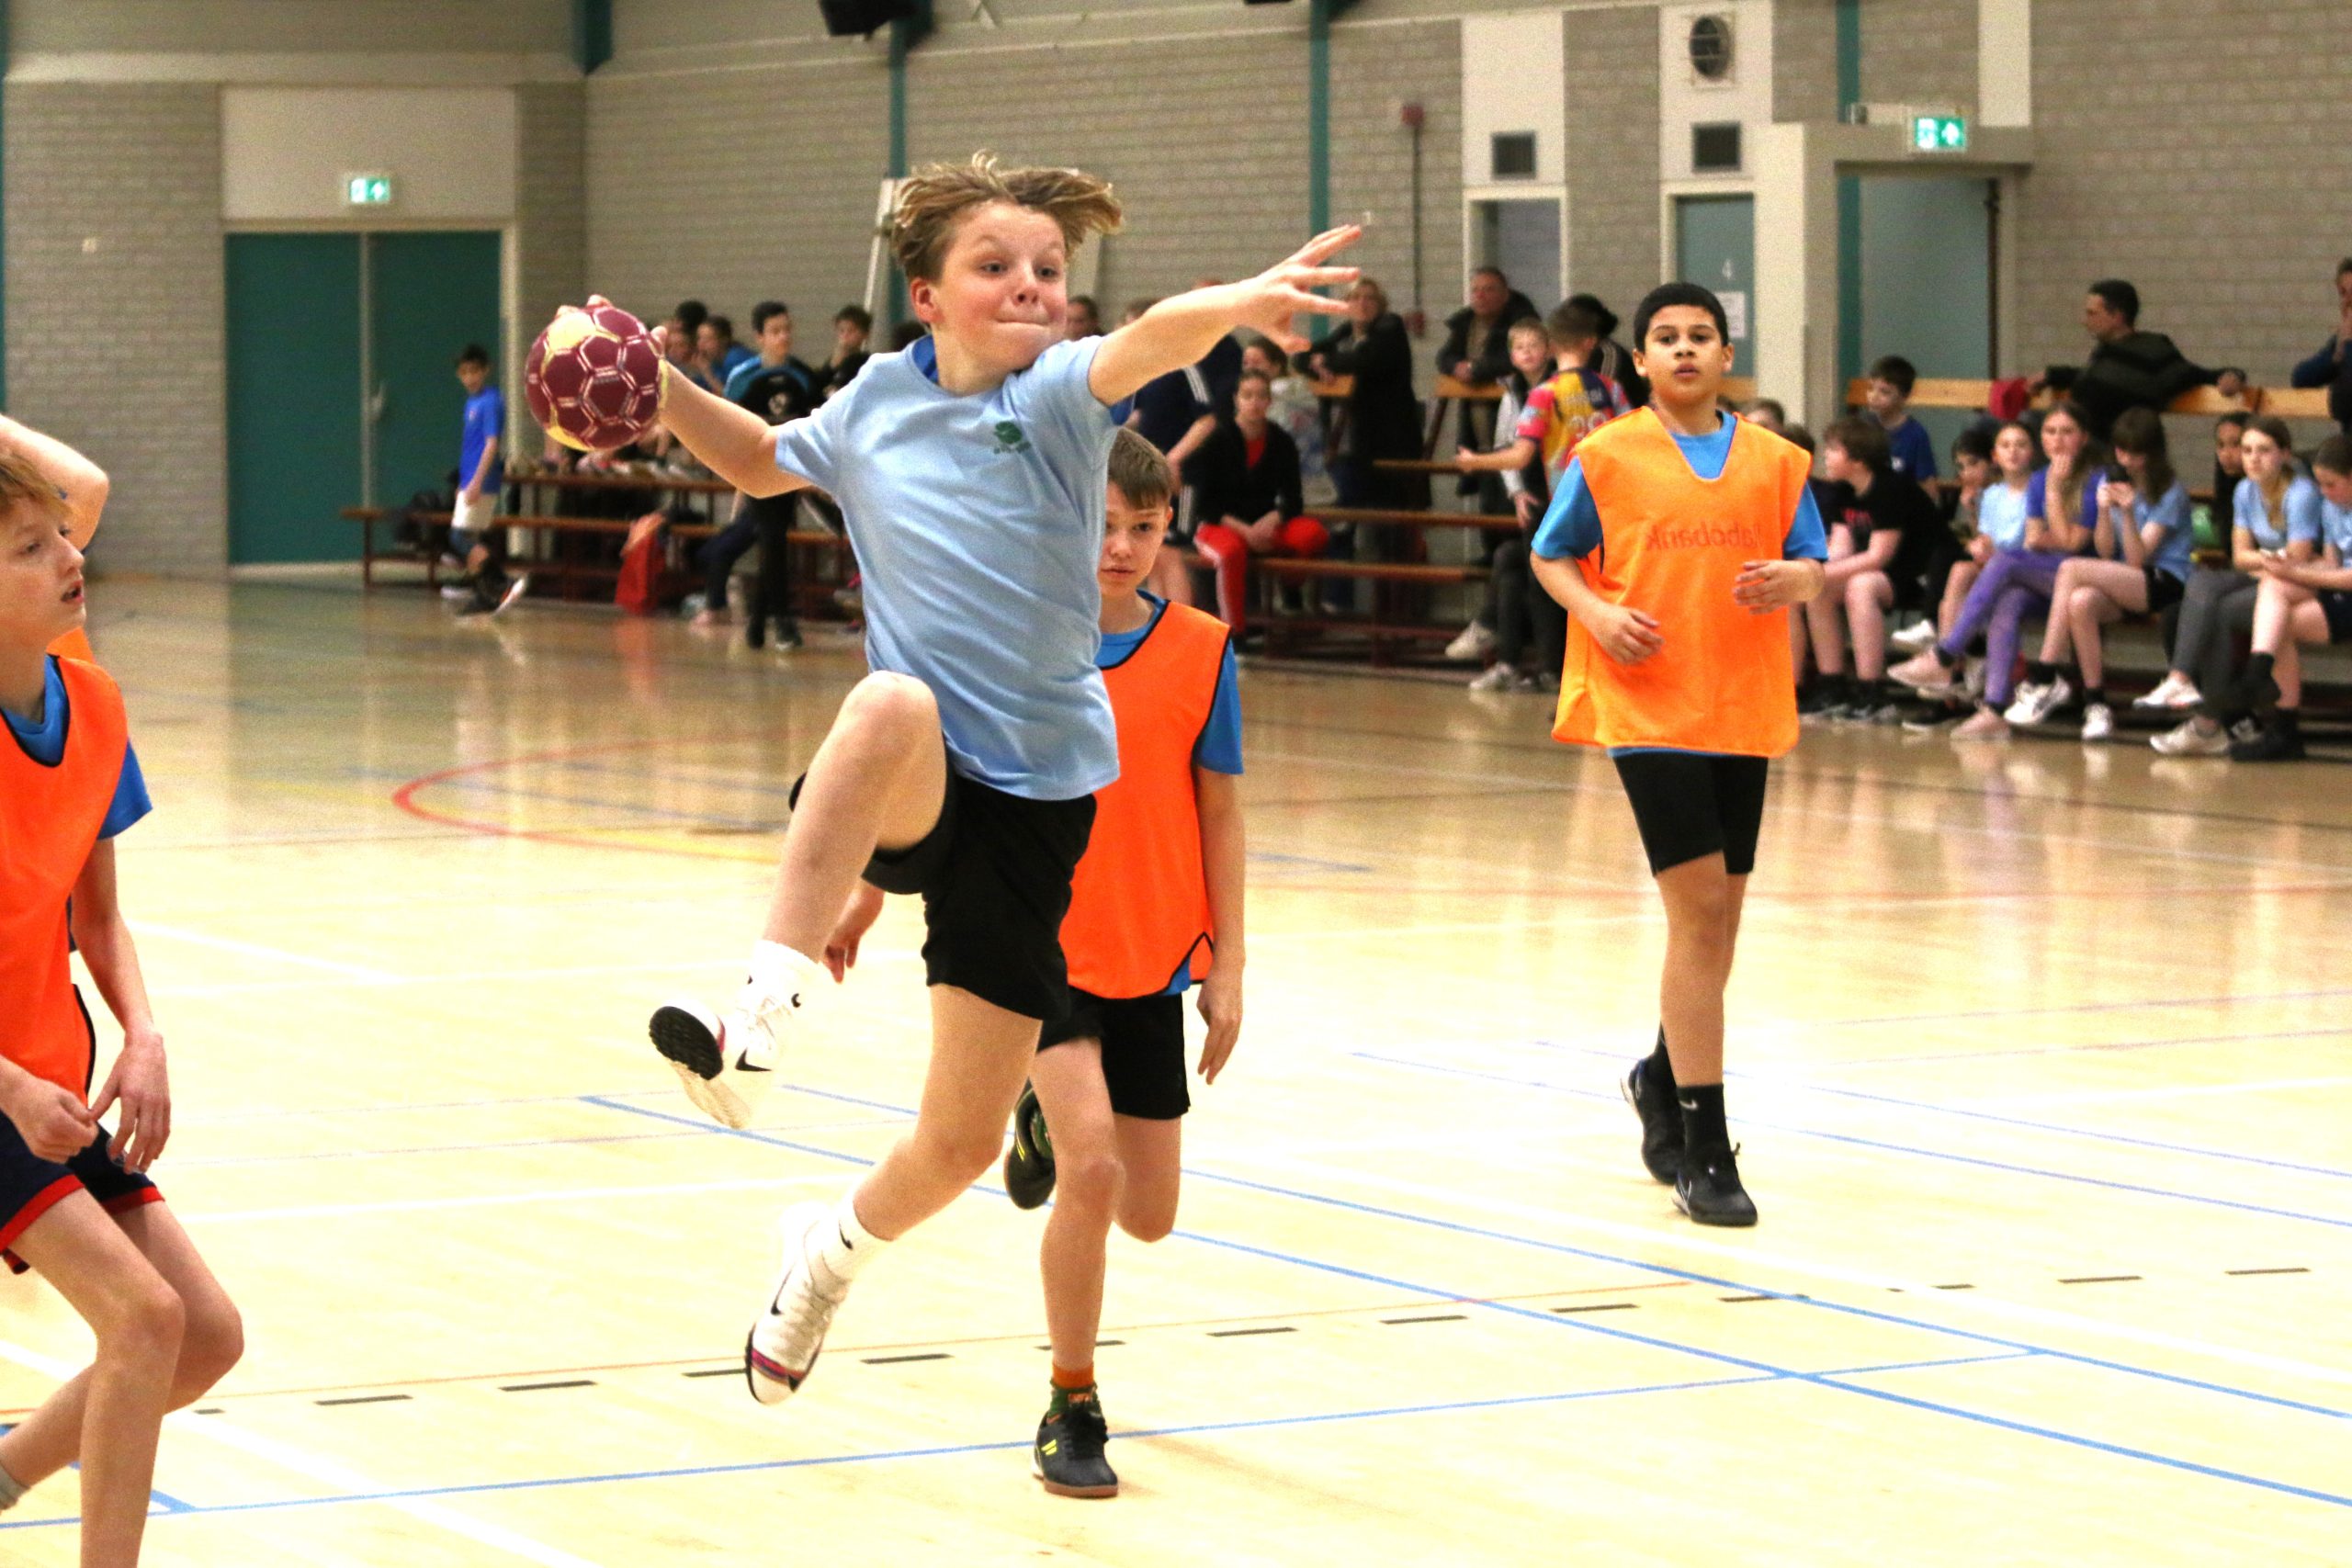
(141, 1085)
(1220, 1006)
(1268, 302)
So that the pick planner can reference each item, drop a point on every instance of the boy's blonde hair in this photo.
(1140, 470)
(934, 199)
(21, 484)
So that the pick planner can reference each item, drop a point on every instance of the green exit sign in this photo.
(1938, 133)
(367, 190)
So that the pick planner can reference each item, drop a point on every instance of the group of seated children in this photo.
(2084, 540)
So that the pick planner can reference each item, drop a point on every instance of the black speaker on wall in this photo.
(845, 17)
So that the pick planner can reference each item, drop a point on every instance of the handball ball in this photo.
(593, 379)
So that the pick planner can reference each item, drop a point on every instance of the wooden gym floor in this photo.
(2044, 1058)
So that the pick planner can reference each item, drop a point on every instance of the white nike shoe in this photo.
(724, 1060)
(782, 1347)
(1474, 641)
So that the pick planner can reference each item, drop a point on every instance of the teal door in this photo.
(1714, 245)
(342, 381)
(429, 296)
(293, 396)
(1926, 283)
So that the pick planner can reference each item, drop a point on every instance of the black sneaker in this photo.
(1661, 1122)
(1708, 1188)
(2277, 742)
(1029, 1163)
(1069, 1454)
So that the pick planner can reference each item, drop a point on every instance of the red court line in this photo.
(405, 798)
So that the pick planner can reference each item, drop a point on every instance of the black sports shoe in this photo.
(2277, 742)
(1661, 1122)
(1069, 1454)
(1029, 1163)
(1708, 1188)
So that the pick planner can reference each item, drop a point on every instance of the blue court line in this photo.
(2095, 1045)
(1643, 1264)
(954, 1450)
(1980, 1163)
(2207, 1000)
(1811, 1087)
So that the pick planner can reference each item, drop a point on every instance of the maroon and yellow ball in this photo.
(593, 379)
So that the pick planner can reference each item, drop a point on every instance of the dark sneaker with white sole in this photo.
(1029, 1163)
(1069, 1454)
(1653, 1101)
(1708, 1188)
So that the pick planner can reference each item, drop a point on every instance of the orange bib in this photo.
(74, 643)
(50, 820)
(1140, 901)
(1672, 544)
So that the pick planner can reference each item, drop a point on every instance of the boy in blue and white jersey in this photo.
(970, 471)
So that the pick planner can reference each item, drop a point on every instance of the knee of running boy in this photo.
(213, 1343)
(141, 1320)
(898, 706)
(1088, 1179)
(962, 1152)
(1148, 1222)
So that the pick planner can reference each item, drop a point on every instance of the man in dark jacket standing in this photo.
(1477, 350)
(2331, 365)
(2129, 368)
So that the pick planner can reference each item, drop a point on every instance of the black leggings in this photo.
(1689, 805)
(771, 589)
(1523, 612)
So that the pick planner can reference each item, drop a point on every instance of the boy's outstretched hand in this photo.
(1268, 302)
(1766, 585)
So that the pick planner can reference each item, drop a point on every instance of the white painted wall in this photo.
(1684, 100)
(1514, 80)
(2004, 61)
(286, 151)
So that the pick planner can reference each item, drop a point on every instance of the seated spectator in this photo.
(1887, 393)
(1609, 357)
(2277, 517)
(1248, 498)
(1988, 514)
(1297, 410)
(774, 363)
(2300, 601)
(1476, 351)
(2331, 365)
(2138, 565)
(2128, 367)
(853, 328)
(1881, 526)
(2062, 512)
(1174, 414)
(715, 346)
(1085, 317)
(1767, 413)
(2229, 468)
(1511, 617)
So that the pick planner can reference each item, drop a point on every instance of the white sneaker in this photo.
(2036, 703)
(2174, 691)
(457, 593)
(518, 585)
(782, 1347)
(1916, 638)
(725, 1061)
(1494, 678)
(2098, 723)
(1971, 684)
(1925, 673)
(1475, 642)
(2185, 739)
(1981, 724)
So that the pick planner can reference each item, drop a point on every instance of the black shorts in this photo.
(1143, 1050)
(2163, 590)
(1693, 804)
(30, 1186)
(2336, 605)
(994, 873)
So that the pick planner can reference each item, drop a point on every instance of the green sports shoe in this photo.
(1029, 1163)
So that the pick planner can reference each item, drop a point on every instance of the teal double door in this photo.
(342, 379)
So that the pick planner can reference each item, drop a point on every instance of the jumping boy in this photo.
(1677, 541)
(970, 470)
(75, 1201)
(1159, 888)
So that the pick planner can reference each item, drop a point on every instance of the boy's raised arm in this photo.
(83, 483)
(1177, 332)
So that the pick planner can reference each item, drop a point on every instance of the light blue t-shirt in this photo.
(2302, 508)
(2170, 512)
(1572, 524)
(45, 743)
(1219, 746)
(2336, 526)
(2000, 516)
(978, 522)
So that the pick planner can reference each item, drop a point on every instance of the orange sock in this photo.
(1071, 1379)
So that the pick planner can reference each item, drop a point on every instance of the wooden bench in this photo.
(1389, 624)
(1930, 392)
(569, 571)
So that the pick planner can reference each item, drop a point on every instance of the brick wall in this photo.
(119, 349)
(1373, 71)
(736, 187)
(2200, 152)
(1919, 51)
(552, 218)
(1612, 68)
(1805, 59)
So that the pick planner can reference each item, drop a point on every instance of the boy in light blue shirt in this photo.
(971, 473)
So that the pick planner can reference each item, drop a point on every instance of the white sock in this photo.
(844, 1246)
(12, 1489)
(781, 971)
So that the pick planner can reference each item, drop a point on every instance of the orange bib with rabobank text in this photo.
(1673, 543)
(1140, 901)
(50, 819)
